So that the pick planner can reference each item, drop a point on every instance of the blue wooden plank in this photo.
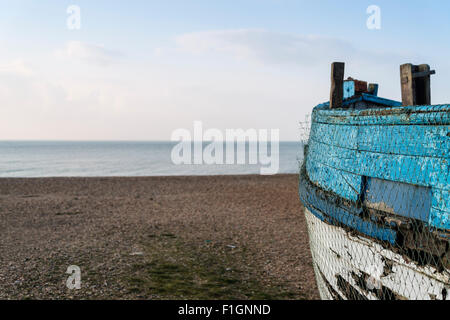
(344, 184)
(414, 140)
(439, 219)
(440, 211)
(441, 199)
(423, 171)
(379, 100)
(424, 115)
(341, 136)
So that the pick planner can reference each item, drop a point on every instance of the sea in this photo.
(124, 158)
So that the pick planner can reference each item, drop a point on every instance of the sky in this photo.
(139, 70)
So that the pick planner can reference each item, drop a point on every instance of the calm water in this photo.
(53, 159)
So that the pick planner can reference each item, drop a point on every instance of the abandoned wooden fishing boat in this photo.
(375, 185)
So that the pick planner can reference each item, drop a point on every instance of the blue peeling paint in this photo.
(344, 184)
(349, 89)
(408, 148)
(419, 115)
(422, 171)
(411, 140)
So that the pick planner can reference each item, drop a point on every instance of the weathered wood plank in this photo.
(341, 136)
(373, 89)
(337, 84)
(413, 140)
(439, 219)
(441, 199)
(344, 184)
(407, 82)
(440, 210)
(423, 115)
(416, 88)
(423, 171)
(423, 73)
(422, 85)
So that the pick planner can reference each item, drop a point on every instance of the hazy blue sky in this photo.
(137, 70)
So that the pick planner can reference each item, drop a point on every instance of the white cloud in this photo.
(158, 52)
(310, 55)
(266, 46)
(16, 67)
(197, 78)
(90, 53)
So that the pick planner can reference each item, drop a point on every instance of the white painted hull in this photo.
(352, 267)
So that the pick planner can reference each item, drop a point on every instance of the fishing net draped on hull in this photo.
(375, 186)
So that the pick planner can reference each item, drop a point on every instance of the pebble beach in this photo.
(211, 237)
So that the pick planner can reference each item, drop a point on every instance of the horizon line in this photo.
(125, 140)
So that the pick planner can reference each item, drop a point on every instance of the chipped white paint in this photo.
(335, 252)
